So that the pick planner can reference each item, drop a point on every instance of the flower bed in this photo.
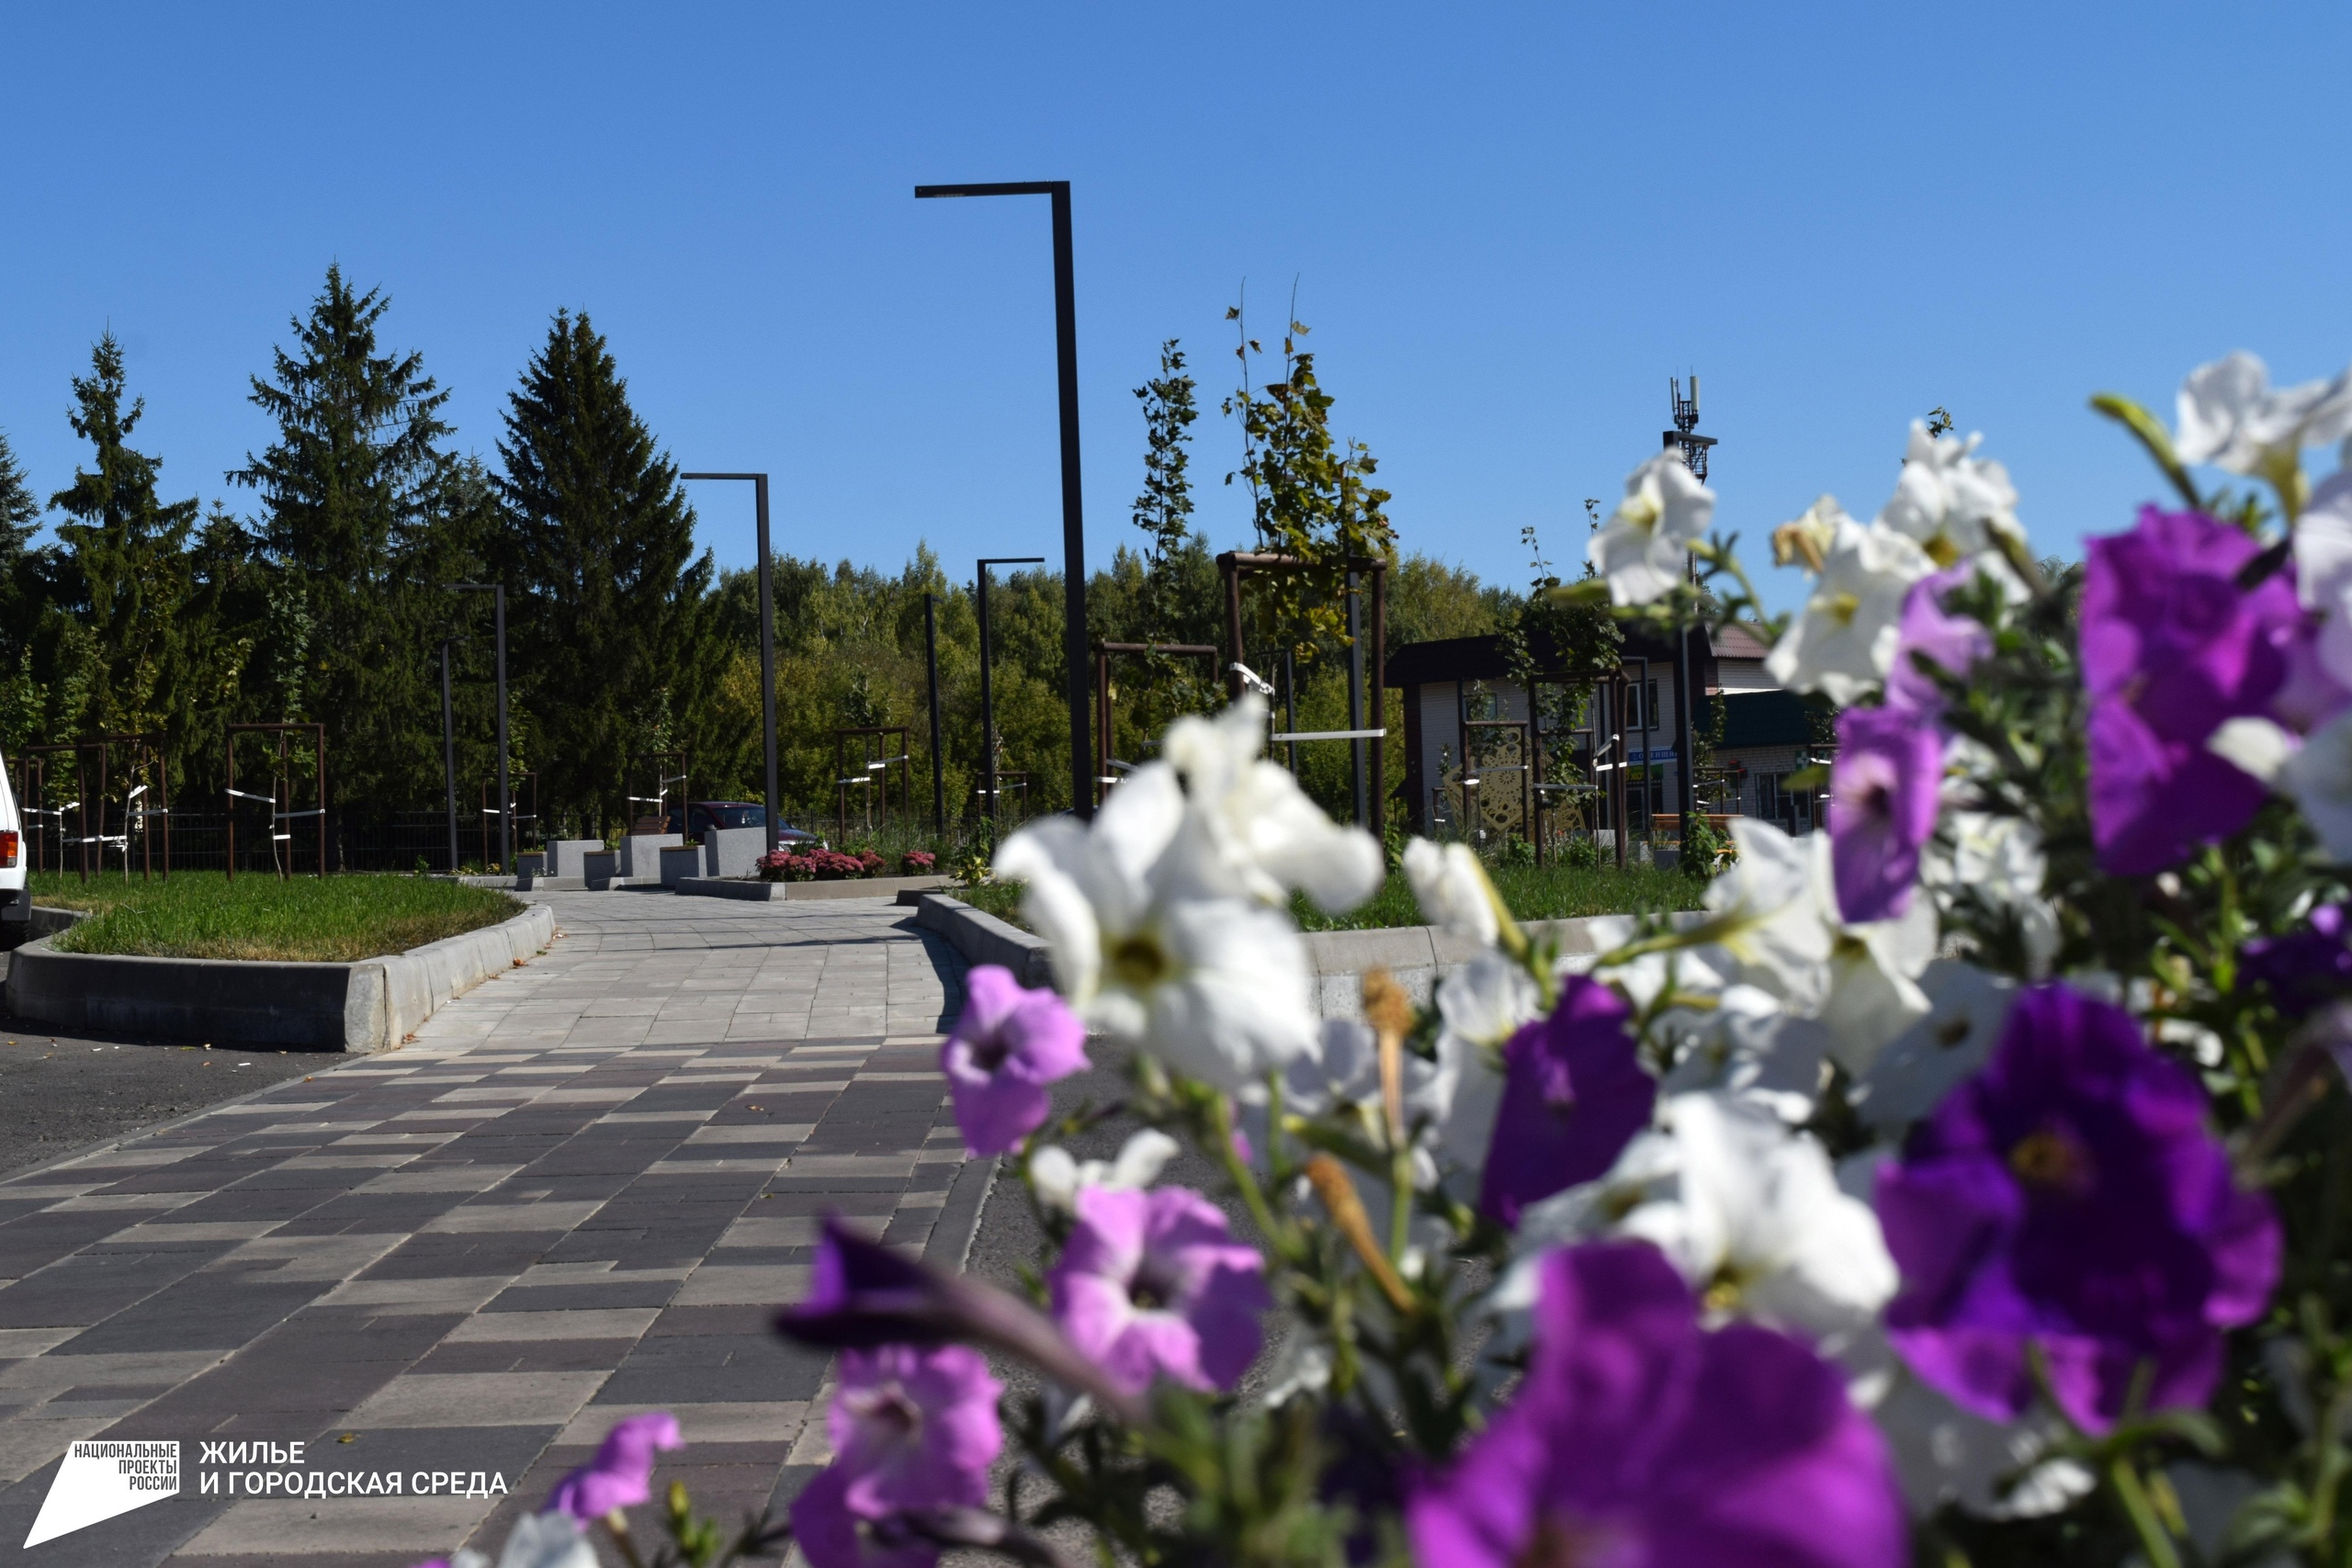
(1966, 1186)
(818, 865)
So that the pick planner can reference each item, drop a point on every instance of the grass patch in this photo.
(1553, 893)
(199, 914)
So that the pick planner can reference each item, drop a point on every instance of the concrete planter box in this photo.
(770, 892)
(982, 938)
(372, 1005)
(680, 861)
(1417, 955)
(567, 857)
(641, 854)
(733, 851)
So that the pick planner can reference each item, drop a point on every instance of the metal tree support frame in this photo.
(1372, 804)
(529, 781)
(872, 767)
(33, 782)
(317, 734)
(144, 758)
(1104, 778)
(662, 763)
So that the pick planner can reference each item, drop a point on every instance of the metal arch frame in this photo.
(1103, 779)
(1372, 803)
(841, 779)
(663, 779)
(318, 736)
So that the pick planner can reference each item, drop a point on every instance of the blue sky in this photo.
(1507, 225)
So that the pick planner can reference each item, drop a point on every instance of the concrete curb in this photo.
(950, 1246)
(372, 1005)
(771, 892)
(982, 938)
(1417, 955)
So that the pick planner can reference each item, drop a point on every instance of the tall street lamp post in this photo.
(938, 764)
(767, 646)
(449, 752)
(505, 795)
(987, 694)
(1081, 739)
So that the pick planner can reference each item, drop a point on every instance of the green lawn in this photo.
(1553, 893)
(200, 914)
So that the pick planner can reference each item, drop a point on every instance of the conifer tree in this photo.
(122, 571)
(606, 596)
(352, 520)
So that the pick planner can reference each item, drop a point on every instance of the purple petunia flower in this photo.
(911, 1429)
(2304, 968)
(1574, 1093)
(2171, 647)
(1008, 1046)
(621, 1474)
(1638, 1439)
(1153, 1283)
(863, 1296)
(2068, 1198)
(1883, 800)
(1954, 643)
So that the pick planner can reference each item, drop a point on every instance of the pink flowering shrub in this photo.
(918, 862)
(817, 865)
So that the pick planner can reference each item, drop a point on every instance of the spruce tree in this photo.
(123, 573)
(352, 521)
(606, 596)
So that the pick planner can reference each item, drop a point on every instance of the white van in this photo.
(16, 904)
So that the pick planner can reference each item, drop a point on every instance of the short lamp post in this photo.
(505, 795)
(767, 653)
(1081, 739)
(988, 693)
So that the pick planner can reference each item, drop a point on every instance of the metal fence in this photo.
(267, 842)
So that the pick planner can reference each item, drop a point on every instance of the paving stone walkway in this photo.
(578, 1193)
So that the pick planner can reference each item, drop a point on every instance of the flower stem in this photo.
(2133, 1493)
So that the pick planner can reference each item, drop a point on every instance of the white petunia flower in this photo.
(1843, 643)
(1480, 1006)
(1217, 986)
(1944, 1454)
(1950, 502)
(1056, 1179)
(2319, 778)
(2229, 416)
(1873, 993)
(1967, 1011)
(1996, 860)
(1645, 547)
(2324, 570)
(1747, 1209)
(539, 1540)
(1451, 889)
(1768, 911)
(1265, 836)
(1749, 1046)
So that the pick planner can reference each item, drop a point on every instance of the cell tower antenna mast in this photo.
(1686, 425)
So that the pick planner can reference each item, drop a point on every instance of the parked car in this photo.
(696, 817)
(16, 902)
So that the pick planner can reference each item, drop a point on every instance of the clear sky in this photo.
(1507, 226)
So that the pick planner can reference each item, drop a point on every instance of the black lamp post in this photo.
(449, 752)
(938, 764)
(987, 694)
(505, 795)
(1081, 737)
(767, 653)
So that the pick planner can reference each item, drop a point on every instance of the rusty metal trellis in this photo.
(874, 773)
(1237, 564)
(1104, 778)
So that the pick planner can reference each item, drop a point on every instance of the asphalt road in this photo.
(62, 1092)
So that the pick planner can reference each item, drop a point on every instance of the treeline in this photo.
(328, 598)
